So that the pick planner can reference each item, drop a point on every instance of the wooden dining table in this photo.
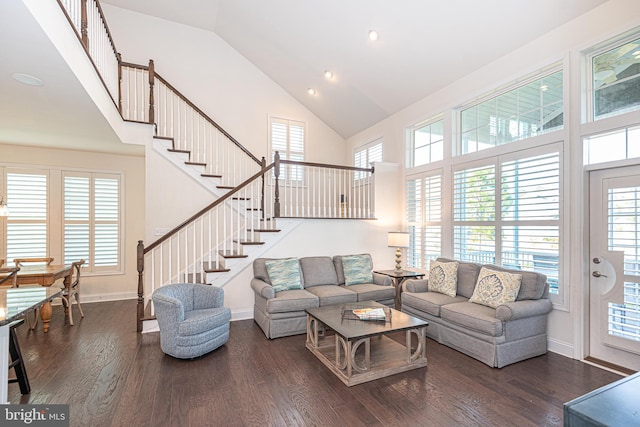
(44, 275)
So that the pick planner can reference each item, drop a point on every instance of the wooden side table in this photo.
(399, 277)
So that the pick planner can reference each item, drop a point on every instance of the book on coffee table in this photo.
(363, 312)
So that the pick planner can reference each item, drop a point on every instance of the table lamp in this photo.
(398, 240)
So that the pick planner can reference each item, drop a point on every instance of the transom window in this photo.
(427, 144)
(526, 111)
(615, 77)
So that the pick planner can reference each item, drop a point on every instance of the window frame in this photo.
(92, 221)
(288, 172)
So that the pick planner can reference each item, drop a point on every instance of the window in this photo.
(365, 155)
(612, 146)
(288, 138)
(424, 219)
(92, 220)
(526, 111)
(27, 224)
(508, 213)
(615, 78)
(427, 144)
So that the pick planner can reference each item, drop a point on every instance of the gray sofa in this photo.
(499, 336)
(283, 313)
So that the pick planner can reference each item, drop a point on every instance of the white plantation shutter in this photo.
(107, 220)
(525, 234)
(288, 138)
(365, 155)
(92, 220)
(424, 219)
(474, 192)
(530, 202)
(27, 224)
(76, 218)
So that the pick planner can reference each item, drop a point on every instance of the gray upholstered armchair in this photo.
(191, 318)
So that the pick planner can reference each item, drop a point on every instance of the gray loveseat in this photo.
(499, 336)
(283, 313)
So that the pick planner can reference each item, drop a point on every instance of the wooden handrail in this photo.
(207, 208)
(192, 105)
(84, 42)
(328, 166)
(209, 119)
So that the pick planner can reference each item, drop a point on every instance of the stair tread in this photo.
(208, 175)
(195, 163)
(248, 242)
(225, 187)
(267, 230)
(241, 198)
(231, 254)
(173, 150)
(166, 138)
(216, 270)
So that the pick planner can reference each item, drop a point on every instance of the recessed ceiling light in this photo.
(27, 79)
(373, 35)
(328, 74)
(311, 91)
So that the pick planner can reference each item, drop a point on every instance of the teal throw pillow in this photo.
(357, 269)
(284, 274)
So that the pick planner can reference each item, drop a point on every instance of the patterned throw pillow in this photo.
(443, 277)
(494, 288)
(357, 269)
(284, 274)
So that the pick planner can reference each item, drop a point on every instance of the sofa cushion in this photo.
(371, 292)
(318, 270)
(475, 317)
(284, 274)
(496, 287)
(331, 294)
(357, 269)
(337, 261)
(443, 277)
(533, 285)
(467, 276)
(429, 302)
(294, 300)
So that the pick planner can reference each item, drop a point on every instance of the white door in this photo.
(614, 262)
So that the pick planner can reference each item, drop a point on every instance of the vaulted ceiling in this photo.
(423, 45)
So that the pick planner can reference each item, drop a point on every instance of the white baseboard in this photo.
(560, 347)
(241, 314)
(108, 297)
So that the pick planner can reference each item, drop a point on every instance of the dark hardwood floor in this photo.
(111, 375)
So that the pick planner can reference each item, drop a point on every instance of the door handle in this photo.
(598, 274)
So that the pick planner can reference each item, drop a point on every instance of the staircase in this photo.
(249, 212)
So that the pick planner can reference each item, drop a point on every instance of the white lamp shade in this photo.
(398, 239)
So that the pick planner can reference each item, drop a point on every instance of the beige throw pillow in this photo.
(443, 277)
(494, 288)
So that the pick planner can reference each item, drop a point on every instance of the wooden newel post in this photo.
(263, 164)
(276, 172)
(140, 266)
(84, 24)
(151, 83)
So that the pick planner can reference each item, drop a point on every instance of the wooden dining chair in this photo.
(72, 290)
(9, 276)
(19, 262)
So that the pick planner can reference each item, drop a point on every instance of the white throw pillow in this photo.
(494, 288)
(443, 277)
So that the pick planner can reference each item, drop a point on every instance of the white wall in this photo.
(566, 324)
(220, 81)
(94, 287)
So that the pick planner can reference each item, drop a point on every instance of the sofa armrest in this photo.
(381, 279)
(522, 309)
(415, 285)
(262, 288)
